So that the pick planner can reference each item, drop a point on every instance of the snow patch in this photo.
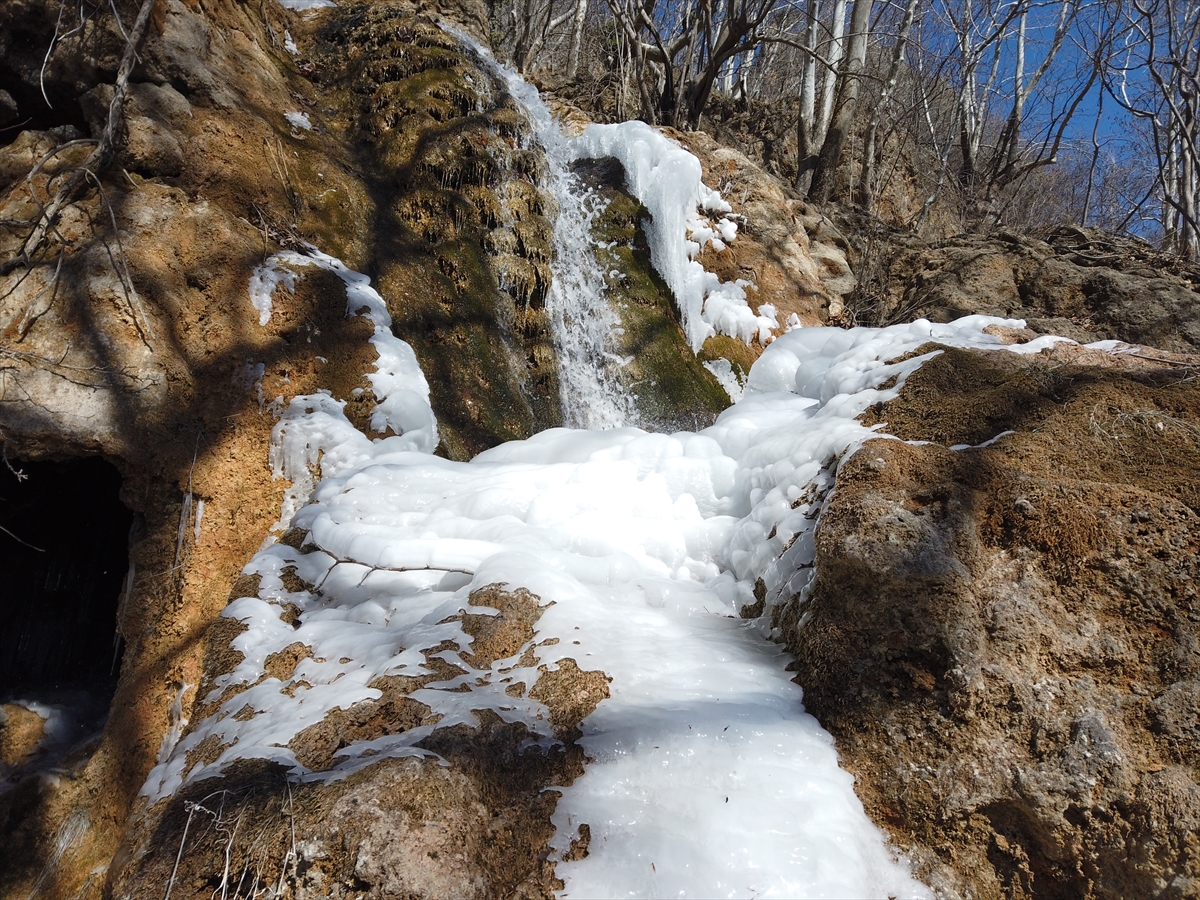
(268, 276)
(644, 548)
(401, 391)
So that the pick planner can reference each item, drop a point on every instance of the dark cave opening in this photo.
(64, 552)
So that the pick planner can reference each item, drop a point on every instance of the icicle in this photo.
(177, 723)
(199, 519)
(185, 513)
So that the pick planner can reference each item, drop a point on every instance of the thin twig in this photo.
(191, 808)
(19, 473)
(131, 297)
(98, 159)
(19, 541)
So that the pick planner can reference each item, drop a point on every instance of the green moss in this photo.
(674, 389)
(460, 247)
(722, 346)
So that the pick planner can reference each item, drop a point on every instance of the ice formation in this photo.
(667, 180)
(268, 276)
(706, 776)
(305, 5)
(313, 425)
(722, 370)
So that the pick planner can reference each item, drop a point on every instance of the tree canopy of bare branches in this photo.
(973, 102)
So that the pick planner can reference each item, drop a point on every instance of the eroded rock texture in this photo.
(1076, 282)
(463, 232)
(1004, 639)
(472, 819)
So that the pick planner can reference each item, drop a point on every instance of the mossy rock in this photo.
(461, 245)
(673, 388)
(738, 353)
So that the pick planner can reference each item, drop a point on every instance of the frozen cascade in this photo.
(581, 318)
(706, 776)
(685, 215)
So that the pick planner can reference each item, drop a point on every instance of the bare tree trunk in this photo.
(889, 85)
(1091, 183)
(806, 123)
(847, 103)
(581, 7)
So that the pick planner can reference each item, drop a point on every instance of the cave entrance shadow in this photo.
(64, 549)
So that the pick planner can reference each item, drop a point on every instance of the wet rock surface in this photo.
(672, 387)
(462, 231)
(1003, 639)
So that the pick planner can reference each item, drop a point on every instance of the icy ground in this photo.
(707, 778)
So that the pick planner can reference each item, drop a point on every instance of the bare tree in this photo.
(1156, 78)
(684, 46)
(849, 77)
(870, 150)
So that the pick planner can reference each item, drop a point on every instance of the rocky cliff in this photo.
(999, 635)
(1002, 630)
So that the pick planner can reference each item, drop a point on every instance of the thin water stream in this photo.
(582, 319)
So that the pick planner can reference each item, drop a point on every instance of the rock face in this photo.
(1079, 283)
(472, 819)
(1004, 638)
(370, 133)
(791, 253)
(462, 233)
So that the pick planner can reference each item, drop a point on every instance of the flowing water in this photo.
(582, 320)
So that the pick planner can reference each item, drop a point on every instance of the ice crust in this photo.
(313, 425)
(707, 776)
(268, 276)
(666, 178)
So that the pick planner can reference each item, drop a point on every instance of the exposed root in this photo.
(100, 157)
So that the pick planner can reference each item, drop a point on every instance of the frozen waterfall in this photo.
(706, 777)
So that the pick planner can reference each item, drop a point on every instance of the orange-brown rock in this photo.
(1004, 639)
